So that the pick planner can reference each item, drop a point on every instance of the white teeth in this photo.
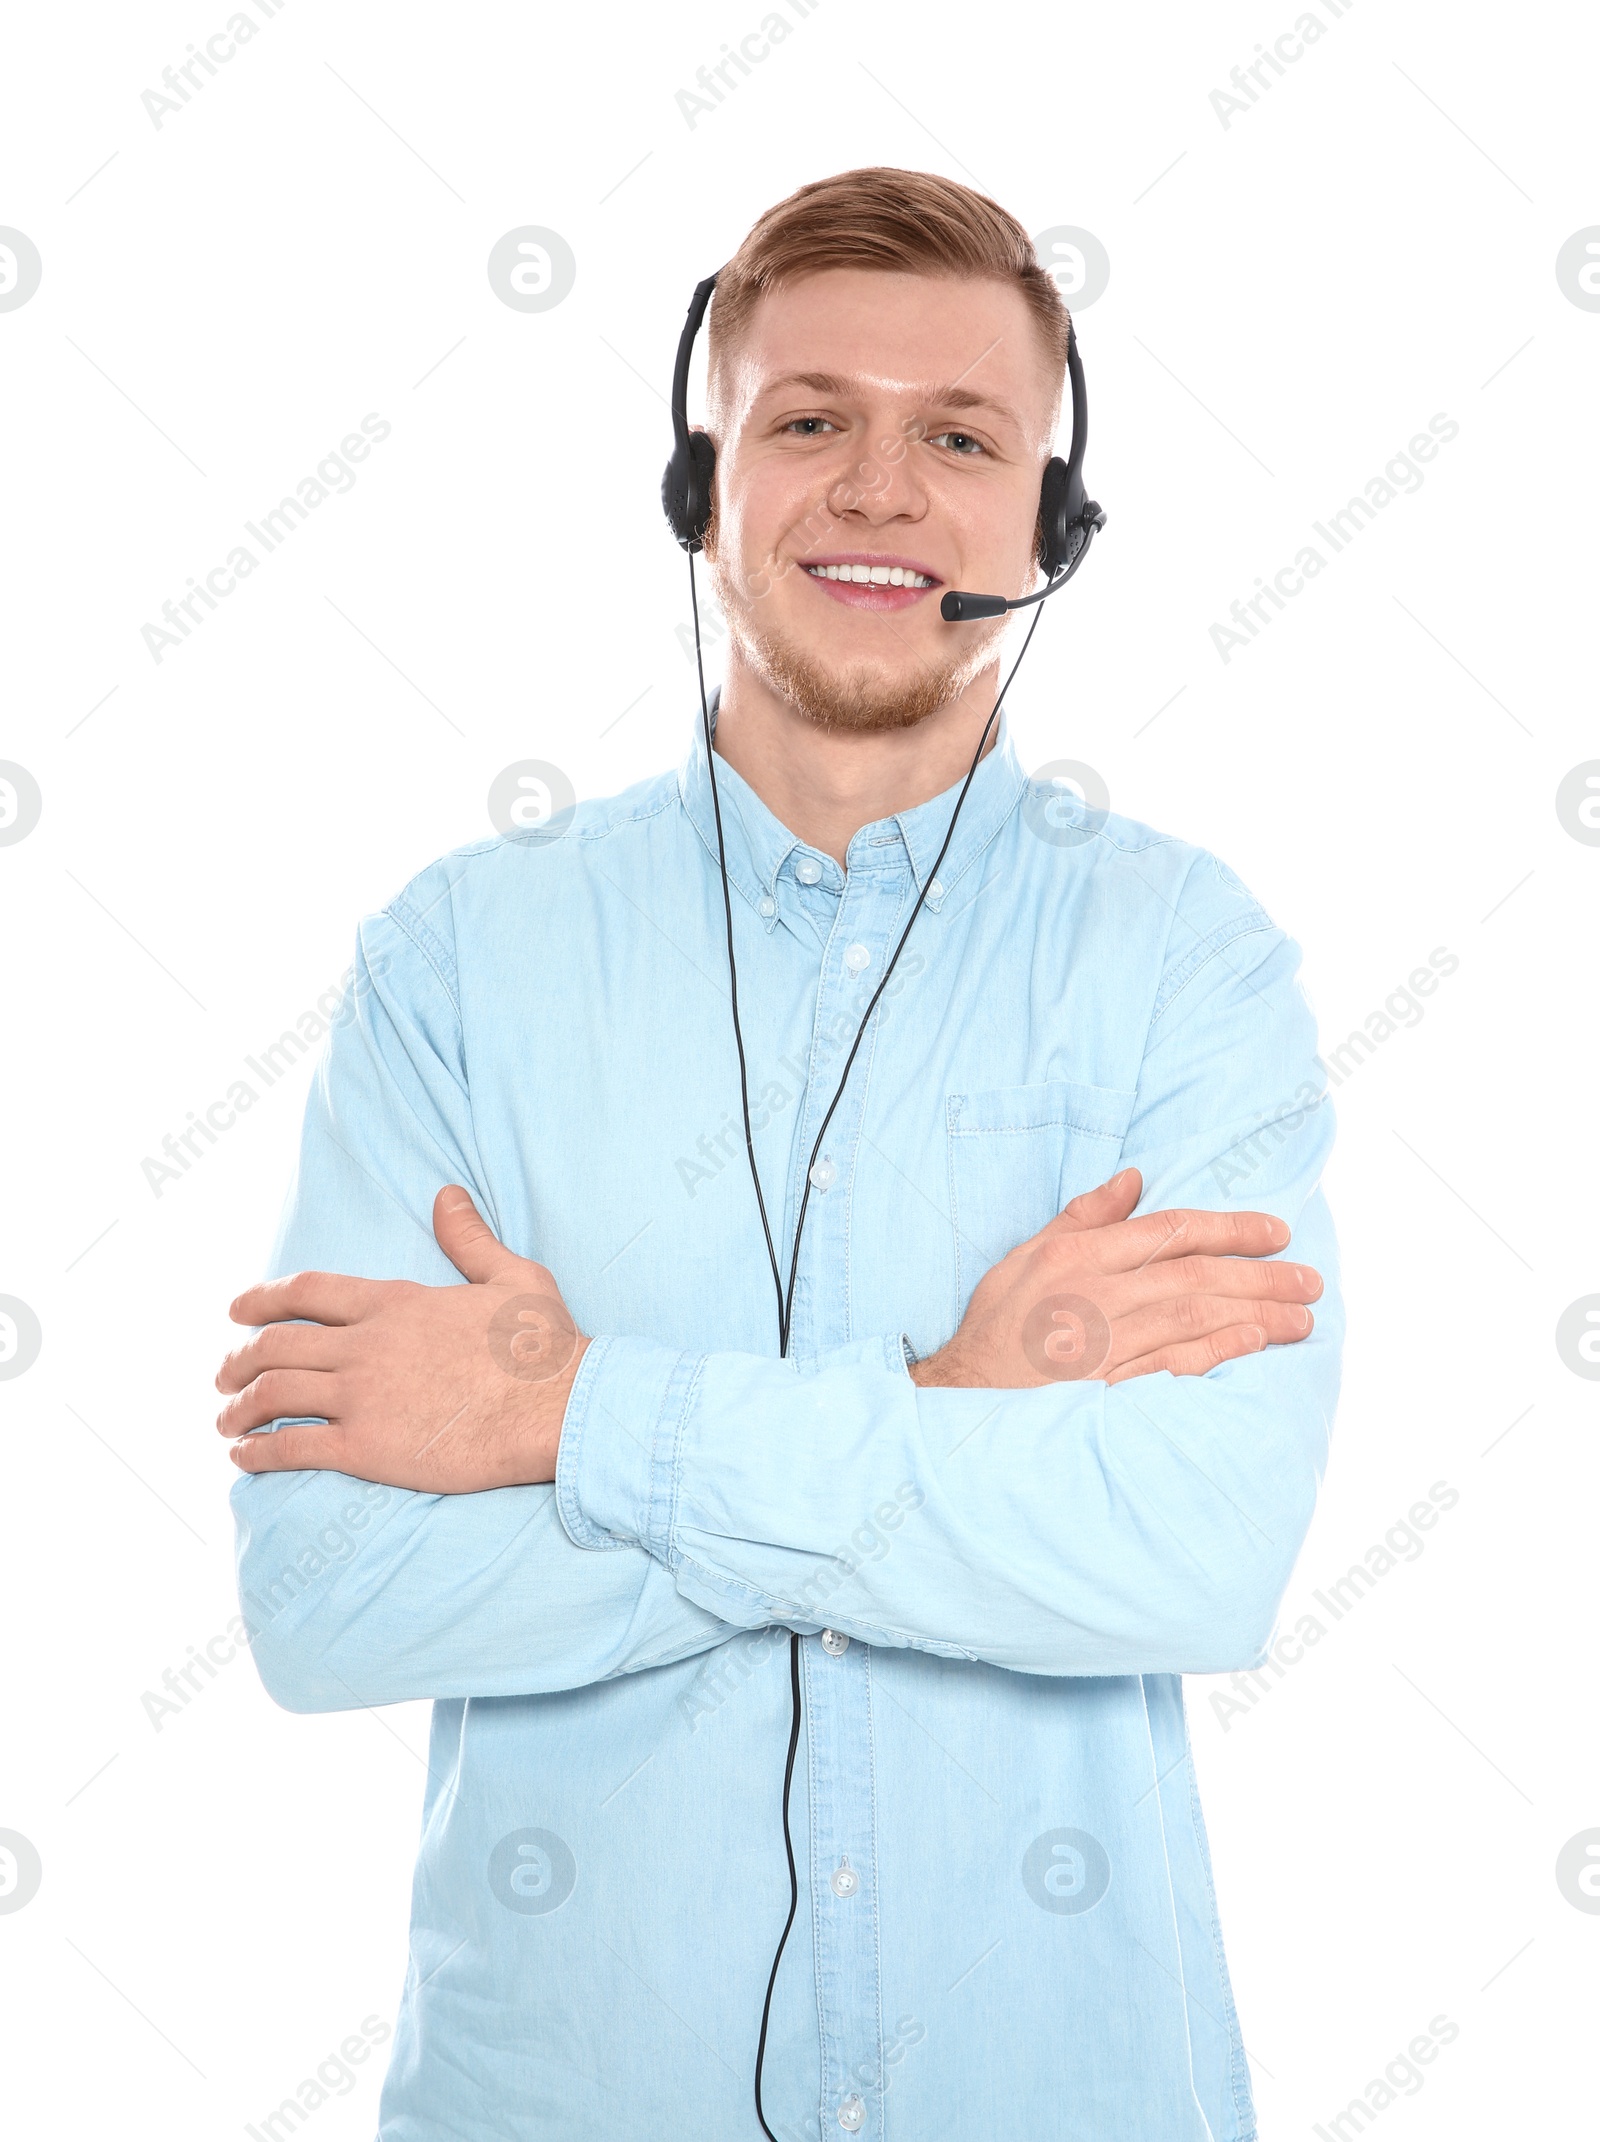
(878, 576)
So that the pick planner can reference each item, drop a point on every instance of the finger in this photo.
(467, 1239)
(1111, 1201)
(325, 1297)
(277, 1395)
(1197, 1356)
(302, 1346)
(290, 1450)
(1188, 1317)
(1237, 1278)
(1129, 1245)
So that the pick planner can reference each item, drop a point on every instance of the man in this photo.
(1029, 1457)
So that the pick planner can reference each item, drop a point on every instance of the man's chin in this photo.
(862, 701)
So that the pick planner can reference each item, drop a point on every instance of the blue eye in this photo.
(962, 442)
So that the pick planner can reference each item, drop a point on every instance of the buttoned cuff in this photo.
(622, 1456)
(616, 1466)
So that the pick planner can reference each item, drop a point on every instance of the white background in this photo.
(1292, 297)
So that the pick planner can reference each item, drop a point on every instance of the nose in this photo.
(880, 484)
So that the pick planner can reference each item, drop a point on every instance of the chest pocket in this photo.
(1017, 1154)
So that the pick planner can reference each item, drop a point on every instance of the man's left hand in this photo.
(446, 1389)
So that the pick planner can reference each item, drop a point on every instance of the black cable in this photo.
(805, 1197)
(733, 972)
(794, 1879)
(786, 1296)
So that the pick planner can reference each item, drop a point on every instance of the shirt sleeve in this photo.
(1080, 1528)
(356, 1593)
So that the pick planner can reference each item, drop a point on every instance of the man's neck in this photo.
(826, 784)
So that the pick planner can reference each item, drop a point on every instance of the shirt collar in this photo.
(758, 844)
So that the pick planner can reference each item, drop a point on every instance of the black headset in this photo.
(1068, 517)
(1068, 522)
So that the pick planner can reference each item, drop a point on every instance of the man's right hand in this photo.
(1096, 1294)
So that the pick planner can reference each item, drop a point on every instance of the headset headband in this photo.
(1066, 517)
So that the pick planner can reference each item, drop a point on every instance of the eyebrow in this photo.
(938, 397)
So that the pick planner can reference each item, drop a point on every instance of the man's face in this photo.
(870, 419)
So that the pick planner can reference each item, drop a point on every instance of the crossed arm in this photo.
(1107, 1469)
(454, 1389)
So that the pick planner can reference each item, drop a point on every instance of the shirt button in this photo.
(852, 2114)
(935, 892)
(834, 1644)
(808, 870)
(767, 906)
(844, 1880)
(824, 1174)
(856, 957)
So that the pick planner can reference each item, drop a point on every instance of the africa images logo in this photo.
(532, 1872)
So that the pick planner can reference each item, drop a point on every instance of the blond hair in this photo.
(879, 217)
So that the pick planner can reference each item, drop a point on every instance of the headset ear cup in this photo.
(703, 462)
(686, 490)
(1074, 543)
(672, 494)
(1057, 546)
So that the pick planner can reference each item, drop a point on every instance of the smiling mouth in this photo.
(877, 576)
(877, 585)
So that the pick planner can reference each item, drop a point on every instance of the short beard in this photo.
(858, 702)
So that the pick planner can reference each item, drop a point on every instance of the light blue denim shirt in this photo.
(1007, 1923)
